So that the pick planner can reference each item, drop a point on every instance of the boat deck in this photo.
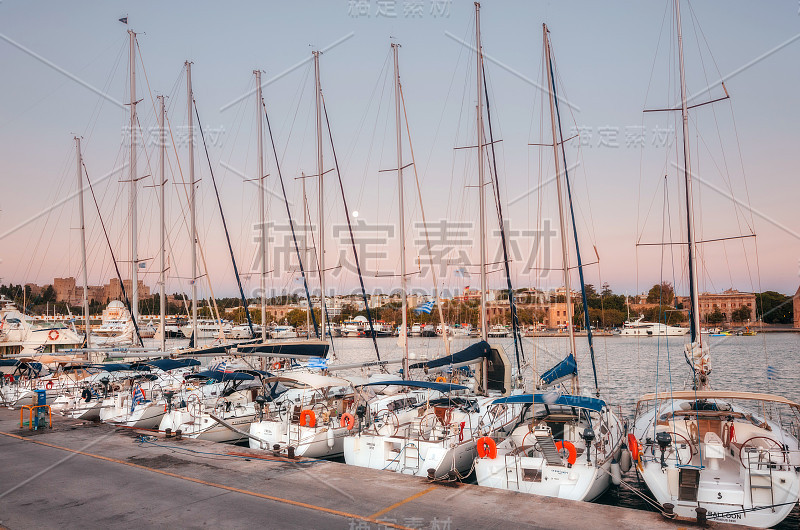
(87, 474)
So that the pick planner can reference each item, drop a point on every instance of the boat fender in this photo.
(331, 440)
(625, 461)
(616, 473)
(307, 417)
(49, 385)
(633, 447)
(86, 395)
(347, 420)
(572, 453)
(487, 448)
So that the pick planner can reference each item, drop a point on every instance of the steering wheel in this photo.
(386, 413)
(776, 444)
(282, 409)
(424, 422)
(673, 448)
(321, 409)
(522, 446)
(193, 404)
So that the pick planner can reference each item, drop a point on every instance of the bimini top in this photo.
(218, 376)
(469, 355)
(567, 400)
(22, 364)
(166, 364)
(717, 394)
(441, 387)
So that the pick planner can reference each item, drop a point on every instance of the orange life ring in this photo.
(487, 447)
(276, 365)
(633, 446)
(52, 333)
(347, 420)
(441, 379)
(572, 457)
(310, 416)
(49, 385)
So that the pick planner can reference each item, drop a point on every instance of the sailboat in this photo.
(724, 455)
(563, 444)
(430, 428)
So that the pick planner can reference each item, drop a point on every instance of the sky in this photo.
(65, 73)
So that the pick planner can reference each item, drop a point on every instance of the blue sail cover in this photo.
(552, 399)
(469, 355)
(166, 364)
(441, 387)
(219, 376)
(563, 370)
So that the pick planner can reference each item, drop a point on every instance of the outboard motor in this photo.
(168, 395)
(664, 440)
(261, 401)
(588, 437)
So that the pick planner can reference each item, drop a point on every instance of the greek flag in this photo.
(772, 372)
(138, 396)
(424, 308)
(221, 366)
(318, 363)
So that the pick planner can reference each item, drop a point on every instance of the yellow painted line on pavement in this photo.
(400, 503)
(369, 519)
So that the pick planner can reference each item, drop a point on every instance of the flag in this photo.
(424, 308)
(772, 372)
(318, 363)
(221, 366)
(124, 19)
(142, 265)
(138, 396)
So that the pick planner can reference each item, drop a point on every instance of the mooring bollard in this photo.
(168, 432)
(701, 515)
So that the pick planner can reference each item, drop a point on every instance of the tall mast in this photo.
(133, 192)
(403, 294)
(306, 222)
(687, 174)
(192, 211)
(162, 277)
(561, 212)
(261, 209)
(83, 243)
(481, 192)
(320, 171)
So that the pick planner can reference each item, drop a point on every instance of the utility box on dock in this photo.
(40, 416)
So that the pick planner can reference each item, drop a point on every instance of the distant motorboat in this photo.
(206, 329)
(498, 330)
(640, 328)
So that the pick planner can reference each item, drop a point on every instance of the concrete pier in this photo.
(95, 475)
